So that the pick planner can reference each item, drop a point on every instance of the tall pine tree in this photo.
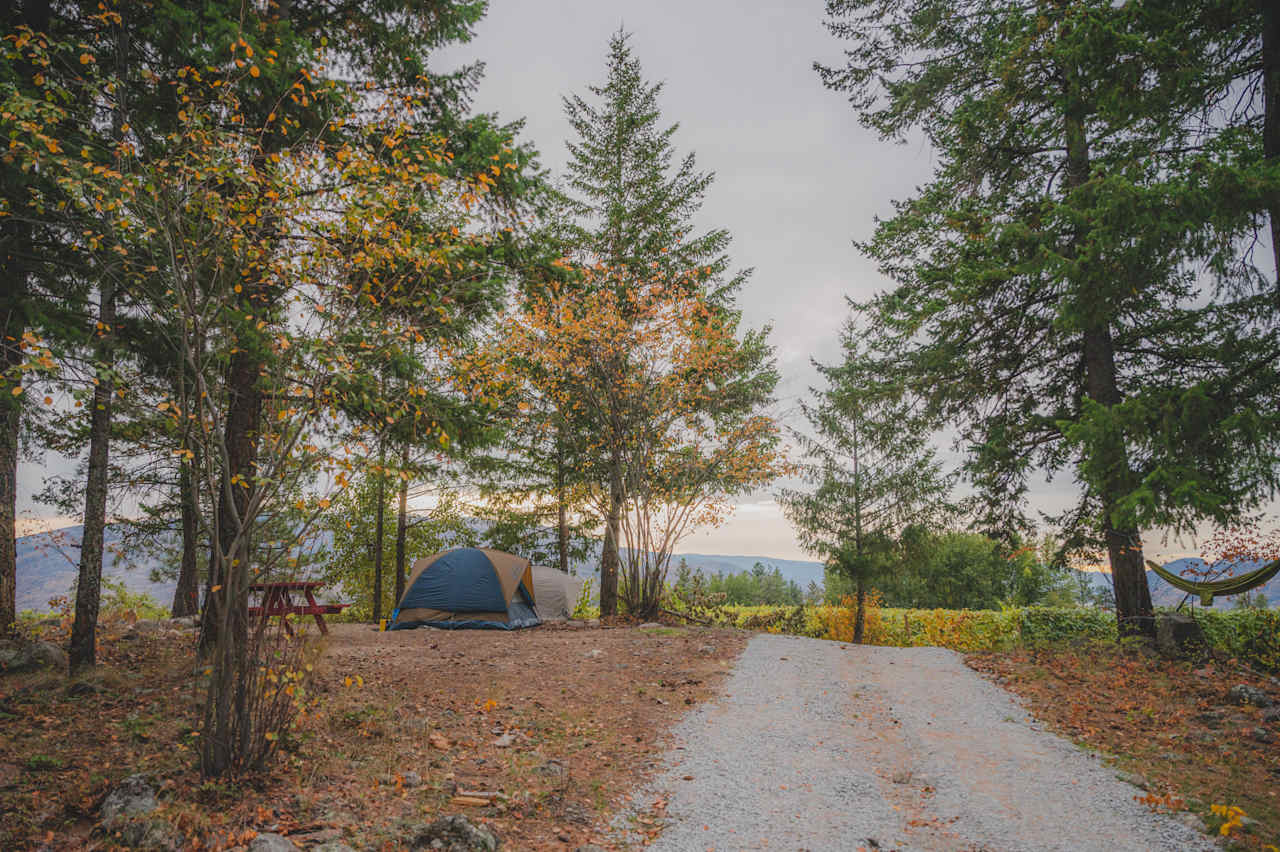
(633, 203)
(1055, 292)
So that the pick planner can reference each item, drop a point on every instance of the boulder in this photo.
(1271, 715)
(1243, 693)
(453, 834)
(150, 835)
(132, 797)
(185, 622)
(332, 846)
(19, 656)
(1179, 635)
(268, 842)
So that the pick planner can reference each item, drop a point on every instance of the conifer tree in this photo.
(633, 201)
(1071, 292)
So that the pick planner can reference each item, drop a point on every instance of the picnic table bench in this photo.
(277, 600)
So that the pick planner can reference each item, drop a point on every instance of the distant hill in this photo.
(47, 568)
(47, 564)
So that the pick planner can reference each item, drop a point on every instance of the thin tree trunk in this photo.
(402, 526)
(379, 516)
(609, 556)
(1271, 113)
(186, 596)
(1134, 614)
(562, 520)
(859, 618)
(83, 651)
(12, 326)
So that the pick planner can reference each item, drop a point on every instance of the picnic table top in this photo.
(286, 584)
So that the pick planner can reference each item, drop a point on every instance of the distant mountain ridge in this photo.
(47, 565)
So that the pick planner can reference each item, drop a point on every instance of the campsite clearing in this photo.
(560, 721)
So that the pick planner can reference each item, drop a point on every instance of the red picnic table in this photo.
(276, 600)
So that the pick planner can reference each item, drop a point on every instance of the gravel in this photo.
(814, 745)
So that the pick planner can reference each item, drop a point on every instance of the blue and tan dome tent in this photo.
(468, 587)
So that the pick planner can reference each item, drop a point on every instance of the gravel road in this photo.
(814, 745)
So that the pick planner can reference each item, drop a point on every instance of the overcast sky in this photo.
(797, 179)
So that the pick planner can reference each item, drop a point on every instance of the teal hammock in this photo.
(1209, 589)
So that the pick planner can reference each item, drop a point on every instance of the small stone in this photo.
(412, 779)
(1190, 820)
(594, 654)
(1243, 693)
(706, 650)
(1173, 756)
(268, 842)
(1262, 735)
(332, 845)
(1271, 715)
(902, 776)
(453, 834)
(1133, 778)
(552, 769)
(1210, 718)
(133, 796)
(649, 624)
(185, 622)
(9, 775)
(152, 835)
(593, 622)
(590, 847)
(504, 741)
(577, 813)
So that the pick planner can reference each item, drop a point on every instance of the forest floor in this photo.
(1169, 724)
(561, 721)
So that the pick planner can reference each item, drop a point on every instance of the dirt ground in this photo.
(559, 722)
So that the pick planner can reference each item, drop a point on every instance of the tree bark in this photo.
(1134, 614)
(83, 651)
(562, 520)
(186, 596)
(609, 555)
(1271, 114)
(402, 526)
(12, 327)
(378, 518)
(860, 616)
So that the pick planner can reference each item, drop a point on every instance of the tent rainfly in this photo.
(468, 587)
(556, 593)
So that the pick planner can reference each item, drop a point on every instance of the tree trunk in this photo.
(1134, 615)
(186, 596)
(402, 527)
(859, 617)
(228, 553)
(12, 326)
(1271, 114)
(562, 520)
(609, 556)
(83, 651)
(378, 517)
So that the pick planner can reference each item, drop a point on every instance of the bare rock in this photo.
(1179, 635)
(132, 797)
(332, 846)
(1262, 735)
(1243, 693)
(453, 834)
(268, 842)
(9, 775)
(18, 656)
(1271, 715)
